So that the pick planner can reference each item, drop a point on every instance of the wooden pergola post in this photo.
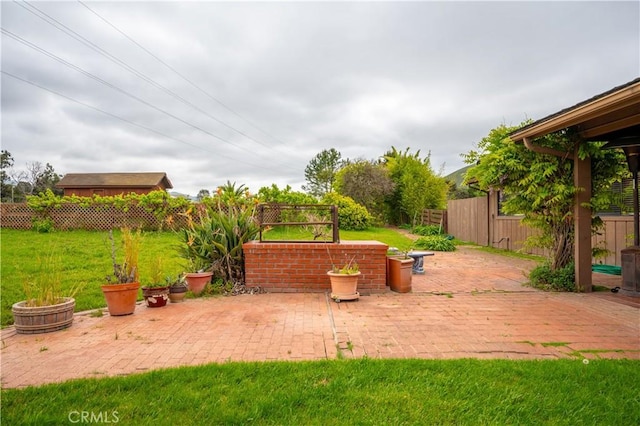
(582, 213)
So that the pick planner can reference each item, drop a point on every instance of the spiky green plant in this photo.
(213, 241)
(230, 230)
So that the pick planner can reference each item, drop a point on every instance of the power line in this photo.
(65, 29)
(125, 120)
(112, 86)
(255, 126)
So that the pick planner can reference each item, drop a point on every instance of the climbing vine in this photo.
(159, 203)
(540, 186)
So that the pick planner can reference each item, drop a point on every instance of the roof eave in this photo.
(625, 97)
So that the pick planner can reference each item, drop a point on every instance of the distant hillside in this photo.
(180, 195)
(457, 177)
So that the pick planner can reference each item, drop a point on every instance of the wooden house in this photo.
(108, 184)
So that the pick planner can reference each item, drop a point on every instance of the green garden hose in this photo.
(607, 269)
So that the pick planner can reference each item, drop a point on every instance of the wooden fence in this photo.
(435, 217)
(468, 220)
(476, 220)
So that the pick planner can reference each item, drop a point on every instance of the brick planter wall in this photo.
(302, 267)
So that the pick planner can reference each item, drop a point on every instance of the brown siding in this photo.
(106, 192)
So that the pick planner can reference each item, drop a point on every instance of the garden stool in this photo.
(418, 261)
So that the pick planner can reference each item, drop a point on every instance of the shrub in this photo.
(563, 279)
(426, 230)
(351, 215)
(273, 194)
(435, 243)
(42, 225)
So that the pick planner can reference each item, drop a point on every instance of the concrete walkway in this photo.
(468, 304)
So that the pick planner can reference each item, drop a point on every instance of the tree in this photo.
(540, 186)
(321, 171)
(47, 179)
(461, 192)
(37, 179)
(34, 169)
(366, 182)
(417, 187)
(6, 187)
(203, 193)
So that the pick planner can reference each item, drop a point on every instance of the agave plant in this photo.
(214, 241)
(230, 230)
(195, 247)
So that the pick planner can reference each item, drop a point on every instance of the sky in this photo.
(251, 92)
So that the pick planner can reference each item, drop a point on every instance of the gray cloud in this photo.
(289, 79)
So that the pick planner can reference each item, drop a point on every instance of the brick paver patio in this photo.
(468, 304)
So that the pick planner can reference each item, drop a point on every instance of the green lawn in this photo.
(86, 260)
(389, 236)
(341, 392)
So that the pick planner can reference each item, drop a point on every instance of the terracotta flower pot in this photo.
(121, 298)
(344, 286)
(197, 281)
(399, 274)
(156, 297)
(43, 319)
(177, 294)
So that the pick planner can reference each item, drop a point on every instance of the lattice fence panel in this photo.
(73, 216)
(16, 216)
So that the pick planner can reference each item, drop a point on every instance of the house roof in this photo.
(609, 115)
(110, 180)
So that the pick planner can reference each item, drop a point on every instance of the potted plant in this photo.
(45, 308)
(344, 280)
(177, 289)
(198, 278)
(156, 294)
(121, 290)
(195, 248)
(399, 270)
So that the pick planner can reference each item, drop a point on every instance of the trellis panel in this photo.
(74, 216)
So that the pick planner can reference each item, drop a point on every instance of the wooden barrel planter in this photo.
(43, 319)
